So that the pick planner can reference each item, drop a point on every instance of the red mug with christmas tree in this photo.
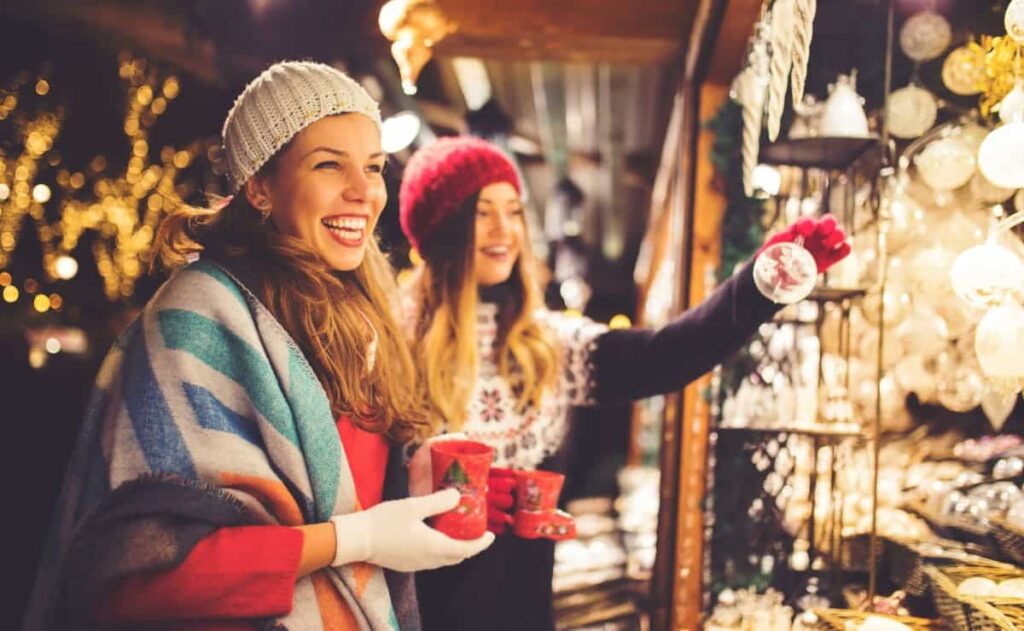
(536, 512)
(462, 465)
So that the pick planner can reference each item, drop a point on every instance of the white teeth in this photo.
(346, 223)
(496, 250)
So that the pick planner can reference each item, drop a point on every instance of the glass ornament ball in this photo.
(925, 36)
(912, 111)
(785, 273)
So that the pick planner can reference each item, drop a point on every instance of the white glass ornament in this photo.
(1001, 156)
(785, 273)
(912, 111)
(925, 36)
(1011, 108)
(1013, 20)
(999, 345)
(928, 271)
(946, 164)
(963, 70)
(987, 275)
(844, 110)
(997, 405)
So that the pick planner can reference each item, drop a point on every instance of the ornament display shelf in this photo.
(819, 430)
(830, 153)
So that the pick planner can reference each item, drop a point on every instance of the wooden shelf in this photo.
(836, 430)
(833, 153)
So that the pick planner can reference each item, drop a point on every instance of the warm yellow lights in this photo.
(620, 321)
(119, 209)
(11, 293)
(41, 303)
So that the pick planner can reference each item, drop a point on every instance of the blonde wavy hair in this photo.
(325, 311)
(443, 296)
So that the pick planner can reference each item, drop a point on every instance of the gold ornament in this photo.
(414, 26)
(964, 70)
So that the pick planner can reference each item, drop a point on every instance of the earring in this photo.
(264, 207)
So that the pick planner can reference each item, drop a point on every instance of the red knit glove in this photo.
(823, 238)
(500, 484)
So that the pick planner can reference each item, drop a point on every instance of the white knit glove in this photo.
(392, 535)
(421, 475)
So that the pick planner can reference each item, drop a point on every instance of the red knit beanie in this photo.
(440, 177)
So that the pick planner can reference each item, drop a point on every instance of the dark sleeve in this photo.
(636, 363)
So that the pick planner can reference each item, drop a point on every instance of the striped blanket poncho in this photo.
(212, 413)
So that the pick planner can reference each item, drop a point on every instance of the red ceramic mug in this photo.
(462, 465)
(536, 513)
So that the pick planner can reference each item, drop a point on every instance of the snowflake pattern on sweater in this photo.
(522, 439)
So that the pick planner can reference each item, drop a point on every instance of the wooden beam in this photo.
(585, 30)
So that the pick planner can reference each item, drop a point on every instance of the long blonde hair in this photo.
(325, 311)
(444, 296)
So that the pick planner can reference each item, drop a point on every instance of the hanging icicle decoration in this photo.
(803, 31)
(751, 89)
(782, 21)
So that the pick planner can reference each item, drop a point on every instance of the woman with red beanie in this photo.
(500, 368)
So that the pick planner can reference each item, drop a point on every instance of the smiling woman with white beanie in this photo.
(234, 468)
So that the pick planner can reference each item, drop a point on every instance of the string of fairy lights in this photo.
(117, 208)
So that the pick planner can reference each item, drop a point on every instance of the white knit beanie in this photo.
(285, 99)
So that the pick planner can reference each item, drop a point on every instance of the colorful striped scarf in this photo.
(207, 386)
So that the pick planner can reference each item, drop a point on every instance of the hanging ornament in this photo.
(946, 164)
(751, 90)
(782, 19)
(997, 405)
(925, 36)
(1001, 155)
(964, 69)
(912, 111)
(987, 275)
(803, 32)
(844, 111)
(1014, 21)
(999, 345)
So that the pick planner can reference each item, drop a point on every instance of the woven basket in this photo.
(844, 619)
(1009, 539)
(907, 561)
(972, 613)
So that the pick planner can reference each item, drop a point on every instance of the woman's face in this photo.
(499, 233)
(328, 188)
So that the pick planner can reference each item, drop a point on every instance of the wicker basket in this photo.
(907, 561)
(1009, 538)
(951, 606)
(972, 613)
(844, 619)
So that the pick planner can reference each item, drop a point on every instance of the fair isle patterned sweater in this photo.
(601, 365)
(522, 439)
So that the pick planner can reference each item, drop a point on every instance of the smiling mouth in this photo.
(497, 251)
(348, 231)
